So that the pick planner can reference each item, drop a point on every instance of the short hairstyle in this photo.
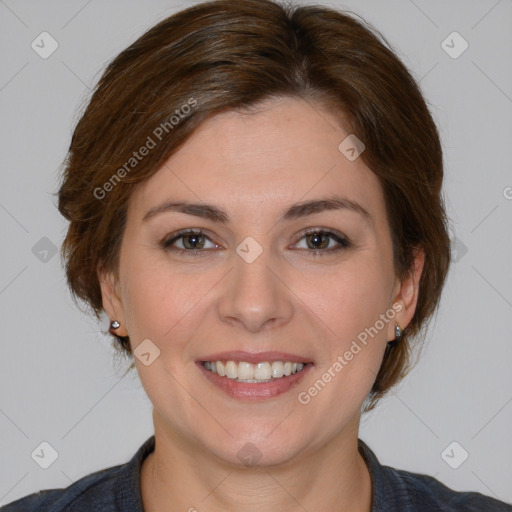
(222, 55)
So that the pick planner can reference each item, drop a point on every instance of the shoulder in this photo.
(425, 493)
(397, 490)
(113, 489)
(91, 490)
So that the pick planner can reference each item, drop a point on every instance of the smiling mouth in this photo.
(262, 372)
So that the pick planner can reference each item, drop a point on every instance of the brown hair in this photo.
(223, 55)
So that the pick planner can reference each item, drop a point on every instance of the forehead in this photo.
(286, 150)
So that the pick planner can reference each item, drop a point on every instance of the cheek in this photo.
(350, 304)
(149, 298)
(350, 299)
(163, 303)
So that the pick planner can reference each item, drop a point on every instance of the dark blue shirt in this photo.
(117, 489)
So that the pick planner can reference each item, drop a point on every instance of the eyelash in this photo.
(341, 240)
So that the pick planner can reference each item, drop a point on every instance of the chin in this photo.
(258, 446)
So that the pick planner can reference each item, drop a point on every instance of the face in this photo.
(259, 282)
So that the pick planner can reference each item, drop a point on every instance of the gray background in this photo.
(58, 379)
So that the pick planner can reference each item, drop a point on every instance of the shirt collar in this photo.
(128, 494)
(384, 482)
(387, 488)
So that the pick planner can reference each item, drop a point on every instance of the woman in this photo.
(254, 197)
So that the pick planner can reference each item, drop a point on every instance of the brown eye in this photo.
(321, 242)
(318, 240)
(192, 242)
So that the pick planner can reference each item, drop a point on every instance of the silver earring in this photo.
(399, 332)
(114, 325)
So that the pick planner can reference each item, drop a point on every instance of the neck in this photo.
(181, 477)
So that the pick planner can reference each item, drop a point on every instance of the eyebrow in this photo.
(295, 211)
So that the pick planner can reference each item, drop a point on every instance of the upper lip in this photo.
(255, 357)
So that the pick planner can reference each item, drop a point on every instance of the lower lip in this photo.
(255, 391)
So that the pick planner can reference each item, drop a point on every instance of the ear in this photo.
(112, 303)
(406, 294)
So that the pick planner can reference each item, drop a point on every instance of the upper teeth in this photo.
(244, 371)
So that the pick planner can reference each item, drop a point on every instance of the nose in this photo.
(255, 295)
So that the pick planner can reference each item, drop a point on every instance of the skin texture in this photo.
(254, 166)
